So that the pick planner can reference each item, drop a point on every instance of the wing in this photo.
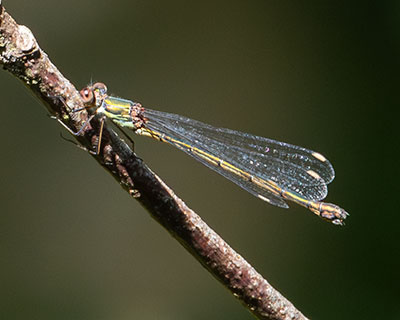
(291, 168)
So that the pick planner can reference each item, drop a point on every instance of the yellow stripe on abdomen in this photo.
(327, 211)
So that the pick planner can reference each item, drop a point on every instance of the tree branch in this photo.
(22, 56)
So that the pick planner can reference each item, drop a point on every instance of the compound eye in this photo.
(100, 87)
(87, 95)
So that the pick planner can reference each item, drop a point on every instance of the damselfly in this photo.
(273, 171)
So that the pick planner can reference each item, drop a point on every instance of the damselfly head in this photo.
(100, 88)
(93, 95)
(87, 96)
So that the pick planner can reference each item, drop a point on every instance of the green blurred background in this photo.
(320, 74)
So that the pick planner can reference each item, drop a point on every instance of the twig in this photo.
(22, 56)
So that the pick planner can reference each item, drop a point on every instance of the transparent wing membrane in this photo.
(292, 168)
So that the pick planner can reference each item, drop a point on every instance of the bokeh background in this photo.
(320, 74)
